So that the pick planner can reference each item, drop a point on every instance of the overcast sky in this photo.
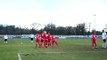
(59, 12)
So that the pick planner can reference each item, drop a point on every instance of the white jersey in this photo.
(5, 37)
(104, 36)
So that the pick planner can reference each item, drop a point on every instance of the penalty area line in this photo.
(44, 52)
(19, 56)
(55, 52)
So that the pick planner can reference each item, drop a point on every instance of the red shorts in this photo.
(37, 40)
(93, 40)
(49, 40)
(45, 40)
(41, 40)
(53, 41)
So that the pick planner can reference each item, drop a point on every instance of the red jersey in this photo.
(49, 37)
(93, 37)
(43, 36)
(37, 37)
(53, 38)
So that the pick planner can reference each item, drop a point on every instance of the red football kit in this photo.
(93, 39)
(54, 40)
(49, 39)
(37, 39)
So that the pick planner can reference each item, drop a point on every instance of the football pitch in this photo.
(68, 49)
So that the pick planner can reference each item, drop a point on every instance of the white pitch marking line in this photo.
(46, 52)
(19, 56)
(54, 52)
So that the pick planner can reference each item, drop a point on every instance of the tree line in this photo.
(59, 30)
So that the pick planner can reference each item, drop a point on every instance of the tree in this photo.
(105, 27)
(60, 30)
(80, 29)
(2, 30)
(35, 26)
(50, 28)
(69, 30)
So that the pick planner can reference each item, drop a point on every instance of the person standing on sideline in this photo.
(104, 36)
(31, 37)
(5, 39)
(93, 38)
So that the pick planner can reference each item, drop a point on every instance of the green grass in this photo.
(76, 49)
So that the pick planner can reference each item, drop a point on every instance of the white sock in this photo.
(6, 42)
(31, 41)
(103, 45)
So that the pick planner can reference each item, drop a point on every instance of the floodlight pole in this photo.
(95, 23)
(89, 27)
